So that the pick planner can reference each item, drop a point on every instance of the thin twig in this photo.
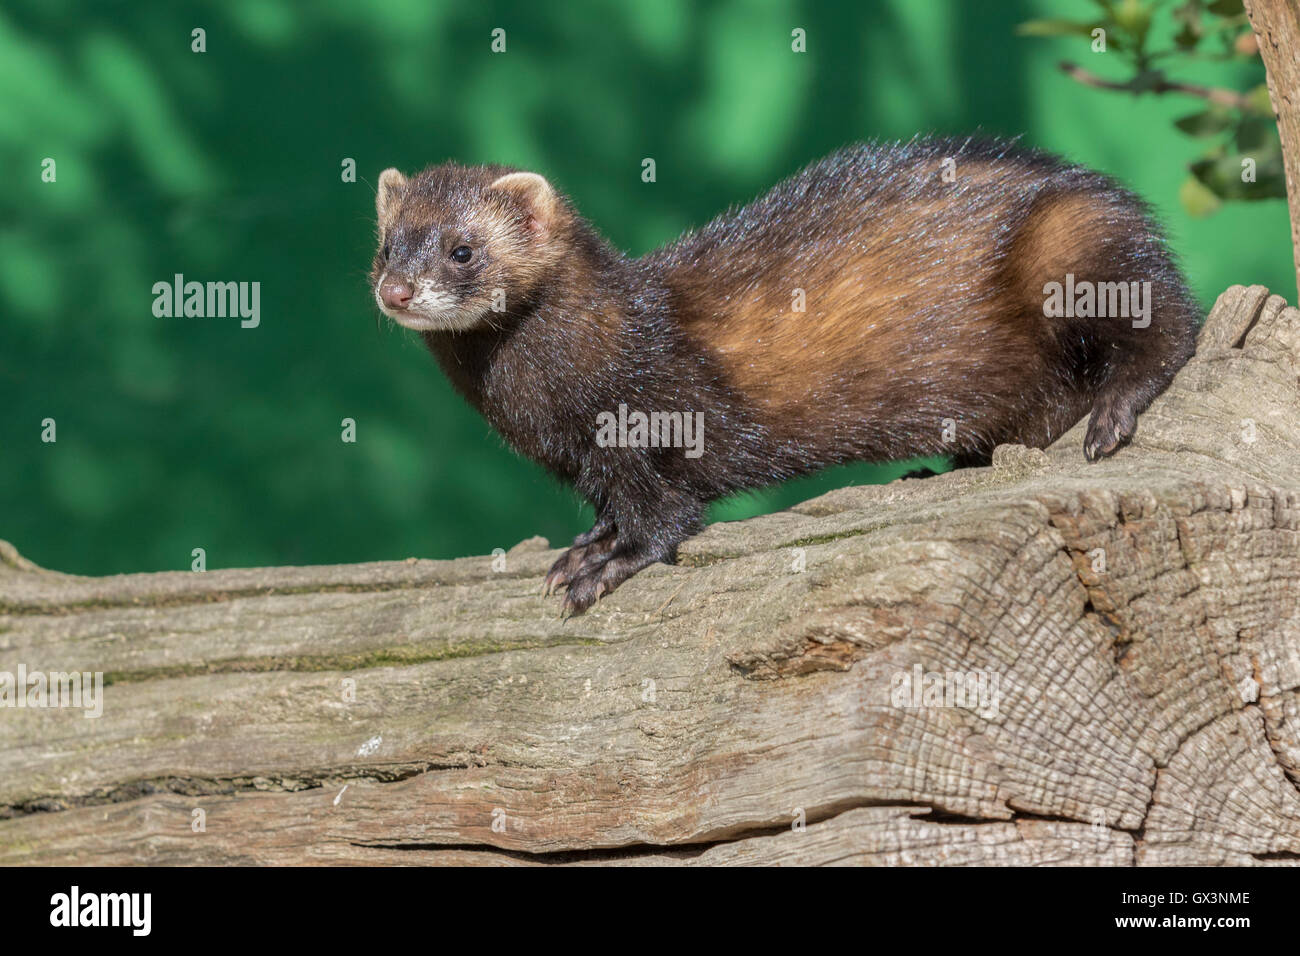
(1216, 95)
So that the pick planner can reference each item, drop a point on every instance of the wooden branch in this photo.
(1216, 95)
(1139, 619)
(1277, 29)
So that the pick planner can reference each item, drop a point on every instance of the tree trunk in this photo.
(777, 697)
(1277, 27)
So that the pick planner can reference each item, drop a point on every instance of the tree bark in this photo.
(1277, 27)
(1138, 618)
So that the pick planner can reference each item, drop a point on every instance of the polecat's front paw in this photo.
(598, 577)
(583, 591)
(570, 564)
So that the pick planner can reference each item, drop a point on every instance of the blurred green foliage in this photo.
(1242, 158)
(225, 165)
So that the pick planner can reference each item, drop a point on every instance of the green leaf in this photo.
(1207, 123)
(1259, 100)
(1226, 8)
(1222, 176)
(1134, 16)
(1198, 199)
(1187, 38)
(1256, 134)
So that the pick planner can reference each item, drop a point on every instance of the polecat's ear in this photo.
(535, 194)
(391, 182)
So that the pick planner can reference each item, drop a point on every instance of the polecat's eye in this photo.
(462, 254)
(386, 250)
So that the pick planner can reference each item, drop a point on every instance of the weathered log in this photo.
(1139, 619)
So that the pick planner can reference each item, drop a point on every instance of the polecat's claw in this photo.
(562, 571)
(576, 561)
(1111, 425)
(560, 574)
(572, 606)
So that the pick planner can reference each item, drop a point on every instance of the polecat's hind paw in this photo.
(1112, 424)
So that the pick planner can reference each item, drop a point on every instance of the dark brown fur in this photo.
(924, 306)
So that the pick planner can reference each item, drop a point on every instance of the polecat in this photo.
(888, 302)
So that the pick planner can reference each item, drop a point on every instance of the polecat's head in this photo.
(463, 246)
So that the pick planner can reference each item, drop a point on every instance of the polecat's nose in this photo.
(395, 293)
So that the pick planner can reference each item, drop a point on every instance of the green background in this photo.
(225, 165)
